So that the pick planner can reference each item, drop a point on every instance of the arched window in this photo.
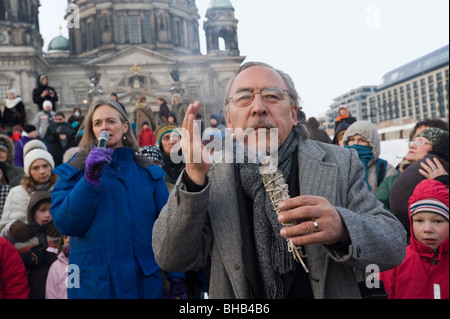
(224, 40)
(222, 45)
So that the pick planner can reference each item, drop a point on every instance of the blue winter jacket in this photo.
(111, 226)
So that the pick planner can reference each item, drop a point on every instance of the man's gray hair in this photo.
(294, 97)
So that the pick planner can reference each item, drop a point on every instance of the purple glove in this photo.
(95, 164)
(177, 289)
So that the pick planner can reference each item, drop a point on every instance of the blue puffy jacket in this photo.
(111, 226)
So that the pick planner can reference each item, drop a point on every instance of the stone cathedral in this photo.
(130, 47)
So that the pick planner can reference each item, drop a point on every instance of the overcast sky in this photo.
(329, 47)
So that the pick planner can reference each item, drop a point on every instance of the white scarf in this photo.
(12, 103)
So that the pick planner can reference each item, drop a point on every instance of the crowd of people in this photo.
(143, 217)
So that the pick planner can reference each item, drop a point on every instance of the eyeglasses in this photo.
(269, 95)
(418, 143)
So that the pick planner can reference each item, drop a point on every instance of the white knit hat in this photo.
(33, 144)
(34, 155)
(47, 103)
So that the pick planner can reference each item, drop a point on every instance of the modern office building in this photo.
(417, 90)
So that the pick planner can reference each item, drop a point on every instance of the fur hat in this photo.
(433, 134)
(34, 155)
(429, 196)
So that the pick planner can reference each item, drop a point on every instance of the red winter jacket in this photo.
(147, 137)
(13, 277)
(424, 274)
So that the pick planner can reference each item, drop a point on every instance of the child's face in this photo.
(66, 240)
(357, 139)
(3, 156)
(430, 229)
(42, 215)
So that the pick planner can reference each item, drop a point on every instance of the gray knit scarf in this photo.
(272, 253)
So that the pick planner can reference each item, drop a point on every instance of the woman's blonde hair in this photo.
(88, 140)
(29, 184)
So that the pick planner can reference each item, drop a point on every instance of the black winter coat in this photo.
(37, 92)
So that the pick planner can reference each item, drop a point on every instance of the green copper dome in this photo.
(226, 4)
(59, 43)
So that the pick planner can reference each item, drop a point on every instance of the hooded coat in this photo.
(12, 170)
(38, 91)
(424, 274)
(370, 133)
(55, 287)
(37, 274)
(110, 227)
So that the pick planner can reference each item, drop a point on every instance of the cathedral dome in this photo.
(222, 4)
(59, 43)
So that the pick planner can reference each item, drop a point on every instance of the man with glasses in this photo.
(222, 211)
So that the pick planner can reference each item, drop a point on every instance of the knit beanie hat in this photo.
(163, 130)
(429, 196)
(47, 103)
(216, 117)
(433, 134)
(32, 144)
(29, 128)
(34, 155)
(340, 131)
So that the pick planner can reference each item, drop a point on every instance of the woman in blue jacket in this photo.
(107, 200)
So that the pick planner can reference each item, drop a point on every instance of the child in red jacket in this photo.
(147, 137)
(424, 274)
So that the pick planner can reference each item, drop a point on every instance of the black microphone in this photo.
(103, 138)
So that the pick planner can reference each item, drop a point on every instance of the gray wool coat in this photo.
(193, 225)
